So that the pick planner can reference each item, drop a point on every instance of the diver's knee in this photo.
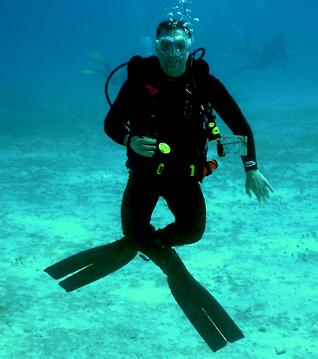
(193, 237)
(193, 234)
(140, 235)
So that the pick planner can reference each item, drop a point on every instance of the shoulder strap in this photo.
(136, 71)
(200, 71)
(134, 68)
(139, 67)
(201, 66)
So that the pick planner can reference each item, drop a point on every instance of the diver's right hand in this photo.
(144, 146)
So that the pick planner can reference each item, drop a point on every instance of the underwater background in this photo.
(62, 179)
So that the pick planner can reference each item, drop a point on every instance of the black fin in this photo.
(92, 264)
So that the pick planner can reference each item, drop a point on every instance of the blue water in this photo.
(62, 180)
(45, 46)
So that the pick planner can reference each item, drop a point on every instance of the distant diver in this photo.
(104, 69)
(273, 52)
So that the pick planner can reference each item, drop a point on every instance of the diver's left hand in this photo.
(258, 184)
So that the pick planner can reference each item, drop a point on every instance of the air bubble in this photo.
(181, 11)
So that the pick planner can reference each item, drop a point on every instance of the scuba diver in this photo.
(273, 52)
(163, 115)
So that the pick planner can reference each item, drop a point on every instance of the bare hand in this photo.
(144, 146)
(258, 184)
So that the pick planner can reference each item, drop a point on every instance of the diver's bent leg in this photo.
(139, 200)
(186, 202)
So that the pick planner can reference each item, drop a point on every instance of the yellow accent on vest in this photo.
(160, 168)
(215, 131)
(192, 170)
(164, 148)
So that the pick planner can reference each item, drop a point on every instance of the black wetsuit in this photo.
(159, 107)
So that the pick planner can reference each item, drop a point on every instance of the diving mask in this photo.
(170, 45)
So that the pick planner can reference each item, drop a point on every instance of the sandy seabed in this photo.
(62, 195)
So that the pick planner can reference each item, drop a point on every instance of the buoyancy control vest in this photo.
(182, 141)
